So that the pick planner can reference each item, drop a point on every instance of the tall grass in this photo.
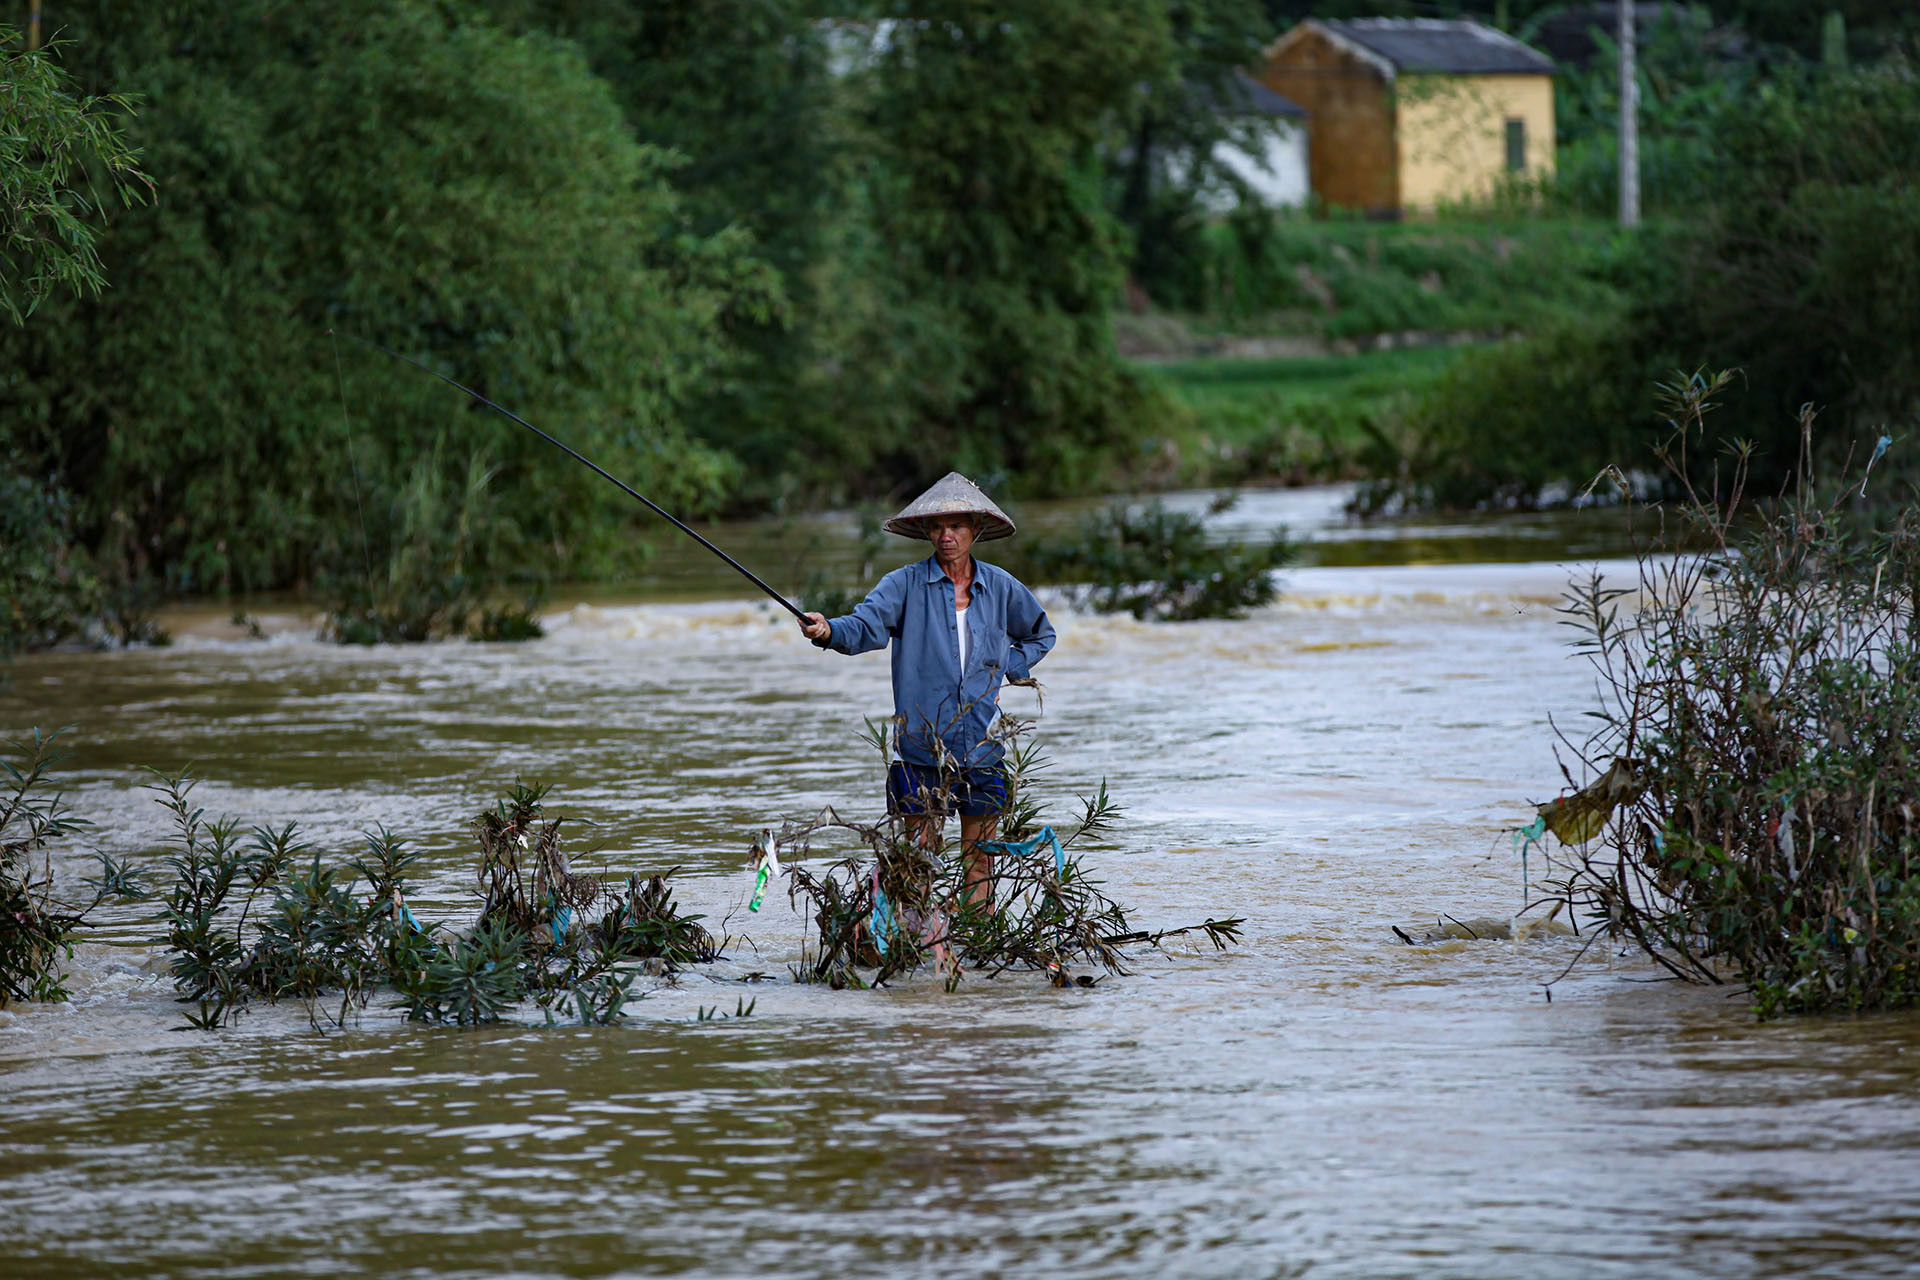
(430, 559)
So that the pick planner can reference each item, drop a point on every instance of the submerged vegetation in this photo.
(1755, 814)
(1155, 563)
(908, 901)
(48, 590)
(36, 928)
(324, 934)
(259, 914)
(431, 562)
(51, 589)
(1143, 559)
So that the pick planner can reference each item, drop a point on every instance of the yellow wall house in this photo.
(1409, 113)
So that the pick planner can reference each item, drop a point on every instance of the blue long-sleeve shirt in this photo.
(912, 609)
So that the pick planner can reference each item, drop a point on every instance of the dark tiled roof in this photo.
(1243, 95)
(1431, 44)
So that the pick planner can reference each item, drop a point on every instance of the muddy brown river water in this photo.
(1321, 1100)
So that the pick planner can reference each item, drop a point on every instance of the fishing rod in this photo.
(678, 523)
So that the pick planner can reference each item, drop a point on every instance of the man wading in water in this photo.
(958, 628)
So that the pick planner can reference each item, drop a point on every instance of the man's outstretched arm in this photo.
(872, 623)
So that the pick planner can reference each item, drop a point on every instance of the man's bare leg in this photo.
(925, 829)
(979, 864)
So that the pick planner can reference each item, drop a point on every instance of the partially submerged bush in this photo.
(508, 623)
(906, 903)
(526, 885)
(1152, 562)
(36, 928)
(51, 590)
(1758, 757)
(1520, 424)
(564, 940)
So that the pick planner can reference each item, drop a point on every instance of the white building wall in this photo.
(1277, 174)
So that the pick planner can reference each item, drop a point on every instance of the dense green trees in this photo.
(744, 95)
(747, 257)
(987, 204)
(1692, 76)
(1167, 159)
(432, 182)
(63, 161)
(925, 181)
(734, 252)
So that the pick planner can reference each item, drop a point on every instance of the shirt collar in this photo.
(936, 575)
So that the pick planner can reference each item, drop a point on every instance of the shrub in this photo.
(1152, 562)
(1520, 423)
(1759, 738)
(508, 623)
(444, 546)
(35, 926)
(343, 932)
(904, 903)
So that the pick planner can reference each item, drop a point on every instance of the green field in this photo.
(1453, 284)
(1337, 279)
(1296, 420)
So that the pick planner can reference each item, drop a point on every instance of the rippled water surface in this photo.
(1322, 1100)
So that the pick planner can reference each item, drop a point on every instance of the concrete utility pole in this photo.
(1629, 121)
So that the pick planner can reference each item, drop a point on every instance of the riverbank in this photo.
(839, 545)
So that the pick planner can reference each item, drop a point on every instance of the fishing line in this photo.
(632, 492)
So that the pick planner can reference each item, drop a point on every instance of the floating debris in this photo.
(1485, 929)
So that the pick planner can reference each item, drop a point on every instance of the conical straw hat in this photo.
(952, 495)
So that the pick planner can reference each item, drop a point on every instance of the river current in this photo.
(1320, 1100)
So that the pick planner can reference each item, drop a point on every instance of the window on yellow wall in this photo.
(1516, 144)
